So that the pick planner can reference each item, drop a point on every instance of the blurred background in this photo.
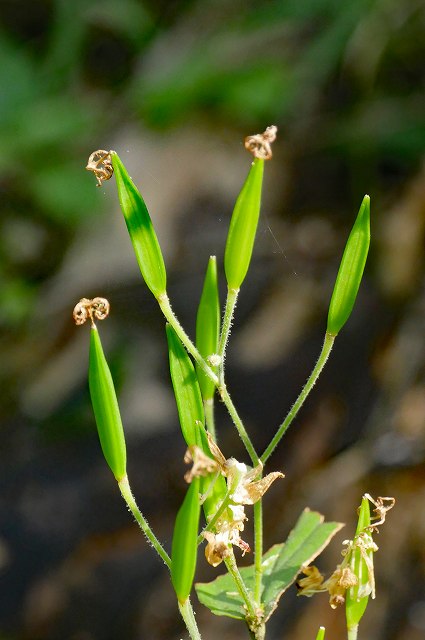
(174, 86)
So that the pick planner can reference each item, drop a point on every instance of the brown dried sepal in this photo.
(260, 143)
(90, 309)
(100, 163)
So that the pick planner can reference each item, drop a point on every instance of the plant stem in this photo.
(232, 296)
(324, 355)
(212, 522)
(189, 619)
(224, 394)
(126, 493)
(166, 309)
(352, 632)
(164, 303)
(258, 550)
(232, 568)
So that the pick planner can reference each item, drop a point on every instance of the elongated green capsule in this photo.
(184, 547)
(140, 228)
(191, 415)
(357, 596)
(350, 271)
(243, 227)
(321, 634)
(208, 326)
(105, 407)
(186, 388)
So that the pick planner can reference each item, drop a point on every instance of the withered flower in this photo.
(243, 489)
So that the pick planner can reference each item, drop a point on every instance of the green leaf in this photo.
(208, 326)
(281, 565)
(186, 389)
(140, 227)
(105, 408)
(184, 548)
(243, 227)
(350, 271)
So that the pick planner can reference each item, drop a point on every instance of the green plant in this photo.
(221, 486)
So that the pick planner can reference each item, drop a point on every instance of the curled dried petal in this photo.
(89, 309)
(100, 163)
(260, 144)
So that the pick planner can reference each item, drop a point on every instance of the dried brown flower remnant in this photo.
(312, 583)
(90, 309)
(341, 580)
(100, 163)
(382, 505)
(202, 465)
(260, 143)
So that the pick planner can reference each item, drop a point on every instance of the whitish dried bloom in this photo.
(228, 530)
(243, 489)
(367, 547)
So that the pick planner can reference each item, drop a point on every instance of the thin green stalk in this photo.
(164, 303)
(141, 520)
(232, 568)
(232, 297)
(213, 521)
(324, 355)
(189, 620)
(166, 309)
(224, 394)
(258, 550)
(352, 632)
(209, 417)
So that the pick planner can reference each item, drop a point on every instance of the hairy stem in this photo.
(166, 309)
(232, 568)
(189, 619)
(224, 394)
(258, 550)
(232, 297)
(324, 355)
(126, 493)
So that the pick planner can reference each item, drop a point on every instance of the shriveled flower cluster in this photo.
(244, 487)
(343, 578)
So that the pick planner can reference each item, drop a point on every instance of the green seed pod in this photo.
(243, 227)
(350, 271)
(321, 634)
(213, 489)
(186, 388)
(184, 547)
(208, 326)
(140, 228)
(357, 596)
(105, 407)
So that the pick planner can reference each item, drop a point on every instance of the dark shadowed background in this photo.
(174, 87)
